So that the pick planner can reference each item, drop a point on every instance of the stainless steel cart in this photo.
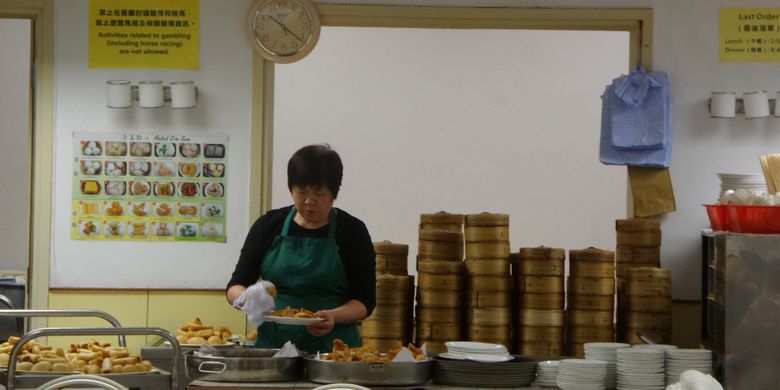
(18, 313)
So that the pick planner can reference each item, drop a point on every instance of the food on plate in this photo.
(188, 210)
(113, 229)
(115, 210)
(188, 230)
(292, 313)
(213, 210)
(138, 229)
(115, 187)
(91, 148)
(165, 169)
(196, 332)
(90, 187)
(90, 168)
(214, 151)
(90, 208)
(213, 190)
(139, 188)
(139, 168)
(343, 353)
(162, 229)
(165, 149)
(140, 209)
(188, 169)
(163, 209)
(212, 230)
(116, 148)
(89, 228)
(140, 149)
(164, 188)
(189, 150)
(188, 189)
(213, 169)
(116, 168)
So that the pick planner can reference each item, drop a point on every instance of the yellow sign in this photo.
(143, 34)
(750, 34)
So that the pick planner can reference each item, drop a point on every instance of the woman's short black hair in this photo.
(315, 165)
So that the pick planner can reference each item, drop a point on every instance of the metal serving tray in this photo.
(244, 365)
(371, 374)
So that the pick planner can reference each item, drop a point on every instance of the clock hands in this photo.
(285, 29)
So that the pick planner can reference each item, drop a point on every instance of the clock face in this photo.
(284, 30)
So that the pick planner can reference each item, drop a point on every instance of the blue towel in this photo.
(639, 110)
(611, 155)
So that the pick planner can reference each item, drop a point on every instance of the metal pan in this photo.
(371, 374)
(244, 365)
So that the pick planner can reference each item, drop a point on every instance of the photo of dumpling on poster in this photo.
(149, 187)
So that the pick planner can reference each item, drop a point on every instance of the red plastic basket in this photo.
(719, 216)
(754, 219)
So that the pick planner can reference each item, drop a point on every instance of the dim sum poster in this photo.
(147, 187)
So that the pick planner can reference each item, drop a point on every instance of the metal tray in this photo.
(372, 374)
(244, 365)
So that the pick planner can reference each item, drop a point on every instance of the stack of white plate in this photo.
(735, 181)
(608, 353)
(477, 351)
(640, 369)
(547, 373)
(681, 360)
(582, 374)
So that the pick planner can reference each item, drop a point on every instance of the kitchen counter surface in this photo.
(203, 385)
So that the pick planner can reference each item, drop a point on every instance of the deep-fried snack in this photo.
(341, 352)
(290, 312)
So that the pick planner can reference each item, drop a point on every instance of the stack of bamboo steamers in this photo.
(539, 301)
(489, 287)
(391, 320)
(591, 299)
(440, 286)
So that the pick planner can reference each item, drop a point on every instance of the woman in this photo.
(319, 257)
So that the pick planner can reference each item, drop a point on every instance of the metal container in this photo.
(371, 374)
(244, 365)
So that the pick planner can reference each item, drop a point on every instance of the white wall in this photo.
(15, 150)
(460, 120)
(224, 107)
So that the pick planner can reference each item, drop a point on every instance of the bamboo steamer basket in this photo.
(591, 286)
(385, 330)
(480, 299)
(540, 284)
(591, 254)
(442, 218)
(647, 237)
(637, 254)
(487, 219)
(637, 224)
(388, 248)
(547, 334)
(402, 296)
(649, 321)
(658, 337)
(450, 259)
(591, 302)
(440, 281)
(549, 301)
(636, 303)
(576, 349)
(439, 314)
(534, 267)
(439, 298)
(622, 269)
(541, 349)
(490, 283)
(597, 318)
(541, 253)
(440, 249)
(486, 233)
(441, 267)
(487, 267)
(533, 317)
(592, 269)
(649, 273)
(485, 332)
(487, 250)
(386, 313)
(505, 341)
(489, 316)
(439, 330)
(383, 344)
(394, 265)
(441, 236)
(443, 227)
(588, 334)
(649, 288)
(387, 282)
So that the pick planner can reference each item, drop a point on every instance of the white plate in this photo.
(452, 356)
(292, 320)
(474, 346)
(489, 358)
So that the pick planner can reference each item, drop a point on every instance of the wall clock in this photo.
(283, 31)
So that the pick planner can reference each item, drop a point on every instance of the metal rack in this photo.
(146, 380)
(66, 313)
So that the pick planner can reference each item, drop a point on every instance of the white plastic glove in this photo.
(256, 301)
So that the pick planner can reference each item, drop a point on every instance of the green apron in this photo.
(308, 273)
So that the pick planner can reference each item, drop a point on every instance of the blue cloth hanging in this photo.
(636, 120)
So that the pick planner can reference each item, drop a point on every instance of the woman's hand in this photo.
(322, 327)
